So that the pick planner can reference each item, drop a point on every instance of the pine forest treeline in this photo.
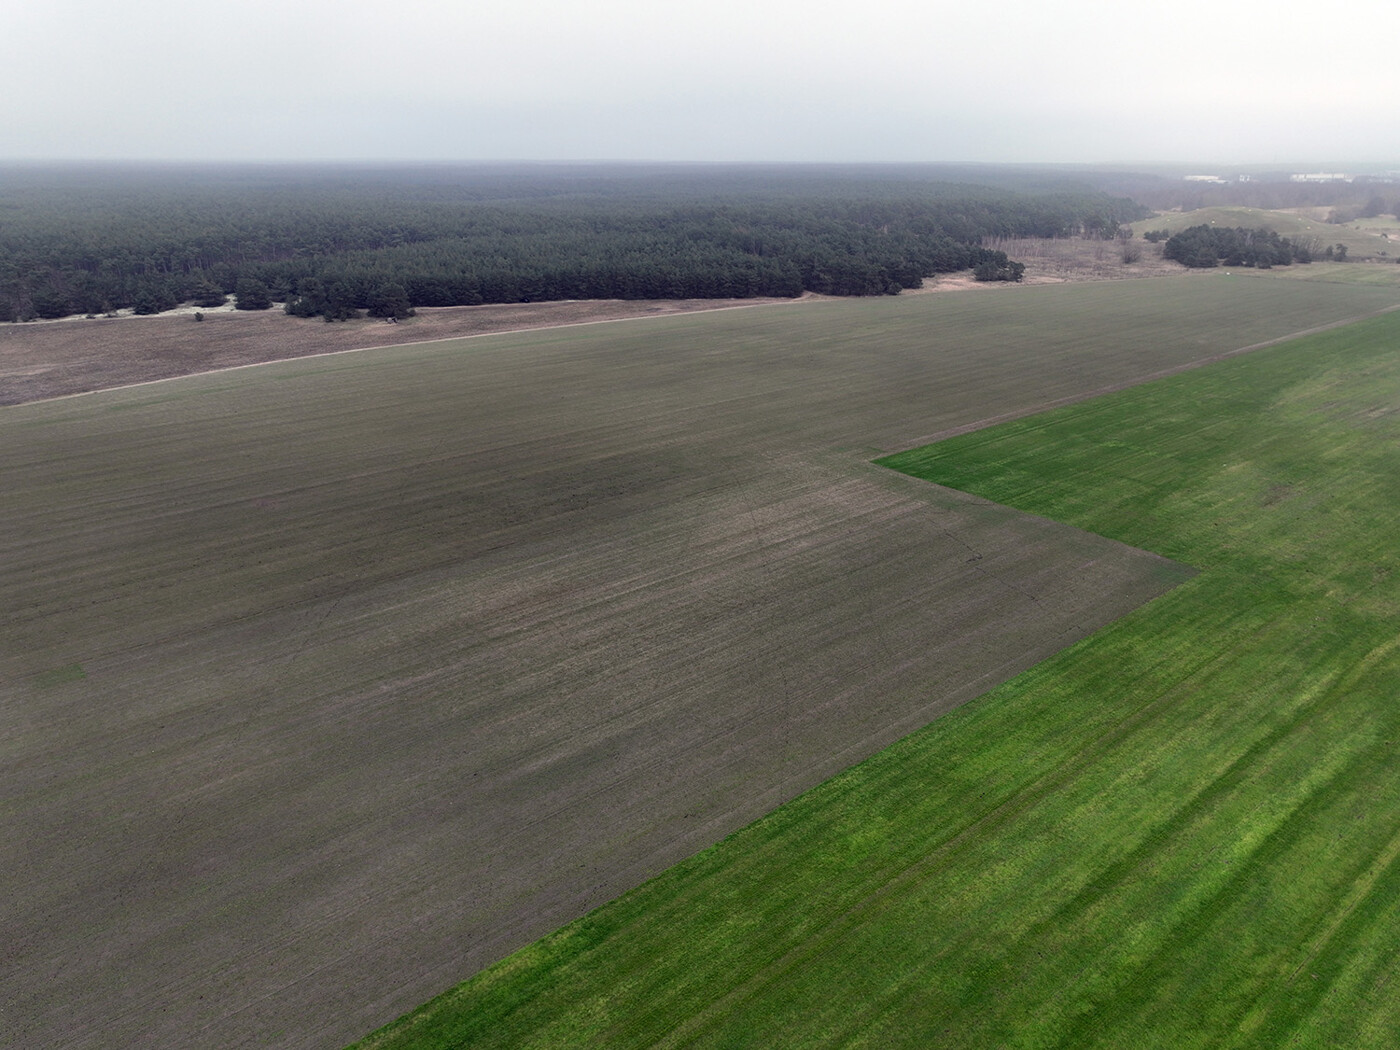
(334, 241)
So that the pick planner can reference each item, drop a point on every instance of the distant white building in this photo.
(1206, 178)
(1321, 176)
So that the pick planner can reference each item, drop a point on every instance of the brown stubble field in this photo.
(327, 683)
(75, 355)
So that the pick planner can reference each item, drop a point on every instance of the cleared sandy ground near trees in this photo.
(330, 682)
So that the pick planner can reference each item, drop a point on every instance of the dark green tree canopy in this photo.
(251, 294)
(390, 301)
(332, 242)
(1205, 246)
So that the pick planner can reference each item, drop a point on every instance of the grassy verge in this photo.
(1184, 831)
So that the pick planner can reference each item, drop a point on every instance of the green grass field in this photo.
(1183, 831)
(1375, 274)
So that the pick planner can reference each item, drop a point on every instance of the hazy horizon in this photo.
(1085, 83)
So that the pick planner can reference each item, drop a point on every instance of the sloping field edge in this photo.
(696, 1026)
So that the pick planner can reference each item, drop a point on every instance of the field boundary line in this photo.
(400, 346)
(1113, 388)
(905, 872)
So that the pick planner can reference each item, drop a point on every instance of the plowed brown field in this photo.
(54, 358)
(329, 682)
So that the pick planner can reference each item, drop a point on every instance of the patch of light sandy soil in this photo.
(951, 282)
(179, 311)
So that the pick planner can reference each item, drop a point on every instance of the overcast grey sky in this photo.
(1247, 81)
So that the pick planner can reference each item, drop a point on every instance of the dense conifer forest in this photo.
(333, 241)
(1204, 246)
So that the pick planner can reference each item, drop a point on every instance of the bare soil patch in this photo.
(1061, 261)
(73, 356)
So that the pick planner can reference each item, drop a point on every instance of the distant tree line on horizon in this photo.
(1343, 202)
(333, 242)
